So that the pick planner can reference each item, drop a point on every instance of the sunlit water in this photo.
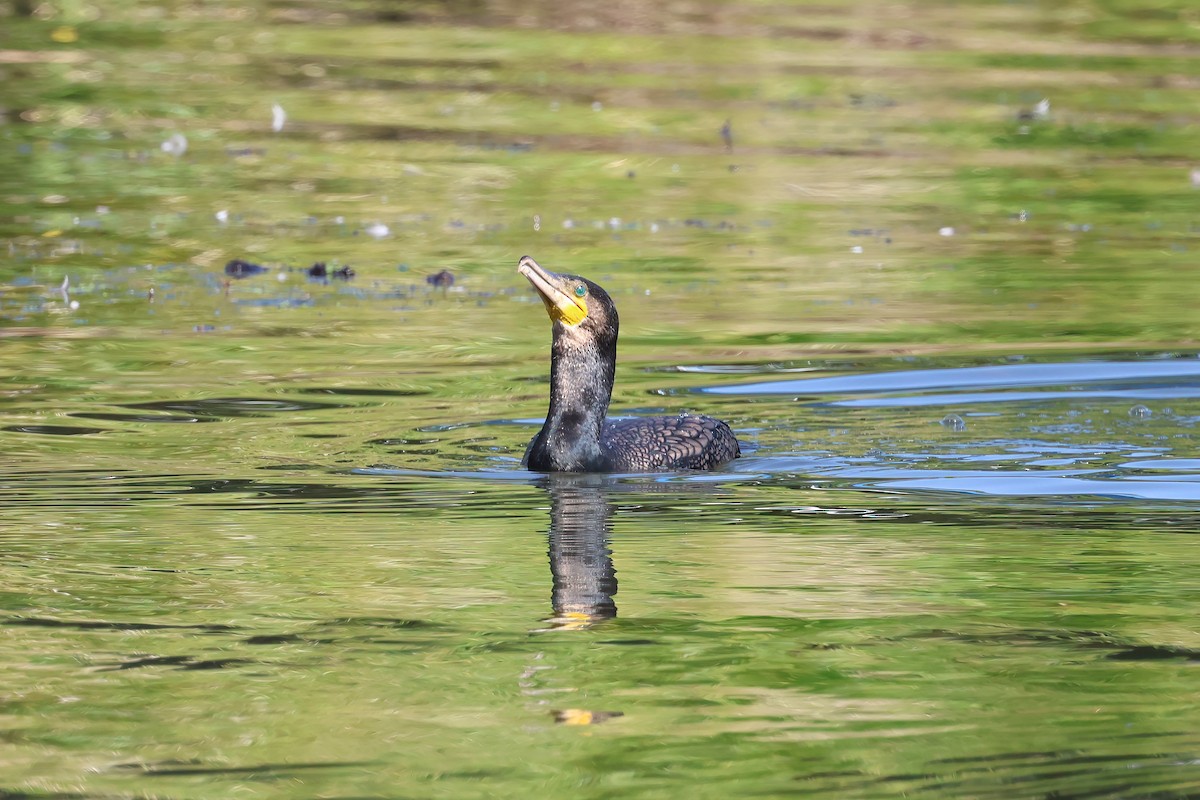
(870, 602)
(268, 534)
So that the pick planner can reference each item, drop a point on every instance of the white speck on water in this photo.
(614, 223)
(339, 220)
(568, 223)
(597, 106)
(378, 230)
(278, 117)
(74, 305)
(647, 293)
(281, 276)
(674, 168)
(1196, 179)
(856, 249)
(176, 144)
(654, 227)
(1042, 109)
(946, 231)
(101, 209)
(222, 216)
(954, 422)
(1022, 216)
(1140, 412)
(537, 222)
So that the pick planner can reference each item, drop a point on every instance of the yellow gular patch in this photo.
(570, 312)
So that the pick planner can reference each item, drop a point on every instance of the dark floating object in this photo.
(576, 436)
(441, 279)
(727, 135)
(319, 270)
(243, 269)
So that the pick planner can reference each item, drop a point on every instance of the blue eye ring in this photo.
(580, 290)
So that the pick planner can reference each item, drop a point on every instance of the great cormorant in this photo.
(577, 436)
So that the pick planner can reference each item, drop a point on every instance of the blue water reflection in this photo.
(1130, 376)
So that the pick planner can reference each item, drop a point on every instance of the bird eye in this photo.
(580, 290)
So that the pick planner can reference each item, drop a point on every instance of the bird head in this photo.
(575, 305)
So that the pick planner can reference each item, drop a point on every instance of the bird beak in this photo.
(561, 303)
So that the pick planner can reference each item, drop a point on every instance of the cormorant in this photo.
(576, 436)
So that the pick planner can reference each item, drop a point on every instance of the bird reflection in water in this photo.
(582, 570)
(580, 556)
(581, 566)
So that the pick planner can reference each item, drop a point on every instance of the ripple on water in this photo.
(232, 406)
(1055, 441)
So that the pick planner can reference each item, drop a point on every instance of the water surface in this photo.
(269, 535)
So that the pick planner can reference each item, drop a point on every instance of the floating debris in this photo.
(1140, 411)
(378, 230)
(278, 117)
(222, 216)
(954, 422)
(243, 269)
(176, 144)
(319, 270)
(1040, 111)
(946, 231)
(441, 280)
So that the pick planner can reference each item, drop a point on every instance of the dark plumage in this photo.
(577, 436)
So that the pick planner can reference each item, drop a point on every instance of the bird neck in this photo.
(581, 381)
